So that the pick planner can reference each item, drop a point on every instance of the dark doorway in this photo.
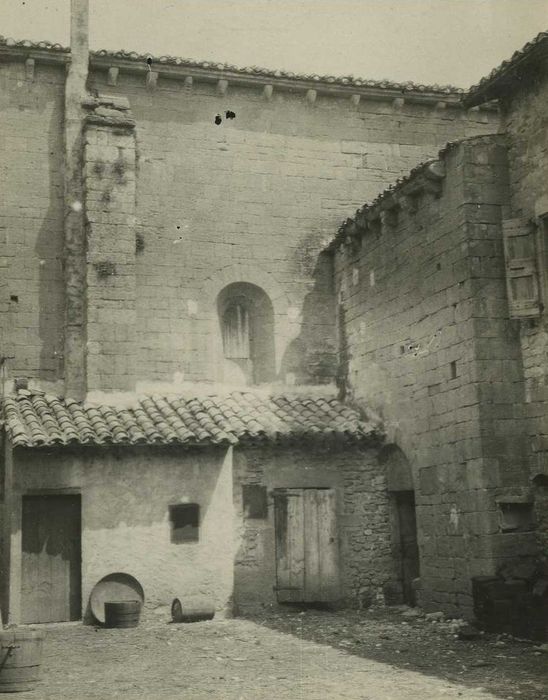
(51, 562)
(407, 525)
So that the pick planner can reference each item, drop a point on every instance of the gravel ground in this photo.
(404, 638)
(291, 656)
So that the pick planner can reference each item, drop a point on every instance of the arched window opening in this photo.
(246, 318)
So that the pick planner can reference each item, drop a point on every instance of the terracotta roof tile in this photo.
(353, 223)
(37, 419)
(347, 80)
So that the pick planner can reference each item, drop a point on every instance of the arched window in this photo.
(246, 321)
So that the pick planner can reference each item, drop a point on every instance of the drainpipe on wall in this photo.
(75, 227)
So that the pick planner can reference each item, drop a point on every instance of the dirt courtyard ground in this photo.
(356, 656)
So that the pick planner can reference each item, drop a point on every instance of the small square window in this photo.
(255, 501)
(185, 522)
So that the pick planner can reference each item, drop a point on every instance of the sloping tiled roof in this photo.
(488, 88)
(36, 419)
(433, 170)
(144, 58)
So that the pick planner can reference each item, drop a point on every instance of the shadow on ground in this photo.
(505, 667)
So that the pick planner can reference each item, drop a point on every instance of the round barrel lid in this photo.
(116, 587)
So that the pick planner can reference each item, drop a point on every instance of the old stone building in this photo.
(183, 208)
(192, 496)
(521, 88)
(441, 286)
(185, 351)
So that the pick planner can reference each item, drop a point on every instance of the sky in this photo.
(430, 41)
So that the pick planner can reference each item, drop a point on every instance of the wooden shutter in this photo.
(519, 236)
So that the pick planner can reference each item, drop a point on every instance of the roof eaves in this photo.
(173, 66)
(368, 212)
(428, 176)
(509, 71)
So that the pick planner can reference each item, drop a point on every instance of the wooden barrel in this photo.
(192, 609)
(20, 659)
(124, 613)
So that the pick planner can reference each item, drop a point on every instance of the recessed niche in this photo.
(185, 522)
(516, 517)
(255, 501)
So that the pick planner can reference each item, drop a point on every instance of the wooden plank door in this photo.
(51, 559)
(405, 501)
(306, 545)
(289, 533)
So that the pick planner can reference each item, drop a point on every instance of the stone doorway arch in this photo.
(403, 522)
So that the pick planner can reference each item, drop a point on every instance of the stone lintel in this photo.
(116, 120)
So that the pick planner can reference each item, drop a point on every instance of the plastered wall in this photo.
(125, 518)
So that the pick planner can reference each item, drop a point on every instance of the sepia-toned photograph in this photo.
(274, 349)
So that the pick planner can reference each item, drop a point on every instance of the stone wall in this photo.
(126, 496)
(261, 191)
(427, 342)
(109, 158)
(525, 110)
(31, 220)
(362, 515)
(251, 199)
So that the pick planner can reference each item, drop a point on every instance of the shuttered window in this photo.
(522, 282)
